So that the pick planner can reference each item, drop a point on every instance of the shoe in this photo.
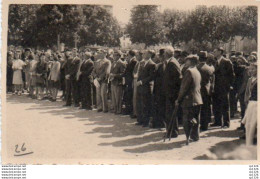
(82, 107)
(133, 116)
(99, 110)
(193, 140)
(89, 108)
(145, 125)
(243, 137)
(138, 124)
(203, 129)
(225, 126)
(65, 105)
(76, 105)
(105, 111)
(241, 128)
(215, 125)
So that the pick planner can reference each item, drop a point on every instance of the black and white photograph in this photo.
(129, 83)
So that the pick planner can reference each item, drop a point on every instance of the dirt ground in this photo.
(66, 135)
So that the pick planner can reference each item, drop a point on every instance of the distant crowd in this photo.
(157, 88)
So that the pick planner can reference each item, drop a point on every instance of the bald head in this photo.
(168, 52)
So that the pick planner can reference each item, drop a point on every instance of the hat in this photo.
(132, 52)
(220, 49)
(88, 54)
(118, 52)
(27, 50)
(177, 50)
(203, 54)
(101, 51)
(193, 58)
(239, 53)
(254, 53)
(152, 52)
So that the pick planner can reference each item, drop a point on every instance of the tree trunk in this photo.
(58, 42)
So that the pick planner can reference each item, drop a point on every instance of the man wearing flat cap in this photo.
(190, 99)
(224, 76)
(85, 80)
(207, 75)
(116, 78)
(129, 83)
(171, 86)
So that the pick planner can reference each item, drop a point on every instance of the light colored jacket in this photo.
(55, 71)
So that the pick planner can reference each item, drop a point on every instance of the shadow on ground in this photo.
(119, 126)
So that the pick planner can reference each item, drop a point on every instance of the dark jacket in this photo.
(86, 69)
(72, 67)
(129, 71)
(158, 80)
(224, 76)
(146, 75)
(207, 74)
(118, 69)
(190, 95)
(172, 79)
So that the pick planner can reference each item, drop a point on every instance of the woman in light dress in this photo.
(17, 67)
(250, 118)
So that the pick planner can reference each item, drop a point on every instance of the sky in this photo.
(122, 11)
(122, 8)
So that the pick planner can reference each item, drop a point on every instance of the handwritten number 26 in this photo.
(22, 148)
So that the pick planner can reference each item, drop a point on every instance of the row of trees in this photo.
(47, 25)
(204, 26)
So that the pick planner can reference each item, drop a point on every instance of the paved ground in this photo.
(66, 135)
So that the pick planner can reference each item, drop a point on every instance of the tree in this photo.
(99, 27)
(55, 22)
(21, 22)
(145, 25)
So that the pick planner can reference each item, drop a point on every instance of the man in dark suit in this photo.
(190, 99)
(129, 83)
(116, 78)
(158, 96)
(224, 75)
(207, 74)
(68, 84)
(145, 86)
(171, 86)
(85, 80)
(72, 76)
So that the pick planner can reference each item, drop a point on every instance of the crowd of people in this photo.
(203, 88)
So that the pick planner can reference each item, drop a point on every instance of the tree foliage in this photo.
(41, 25)
(204, 26)
(145, 25)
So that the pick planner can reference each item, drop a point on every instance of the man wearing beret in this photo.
(190, 99)
(207, 75)
(224, 76)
